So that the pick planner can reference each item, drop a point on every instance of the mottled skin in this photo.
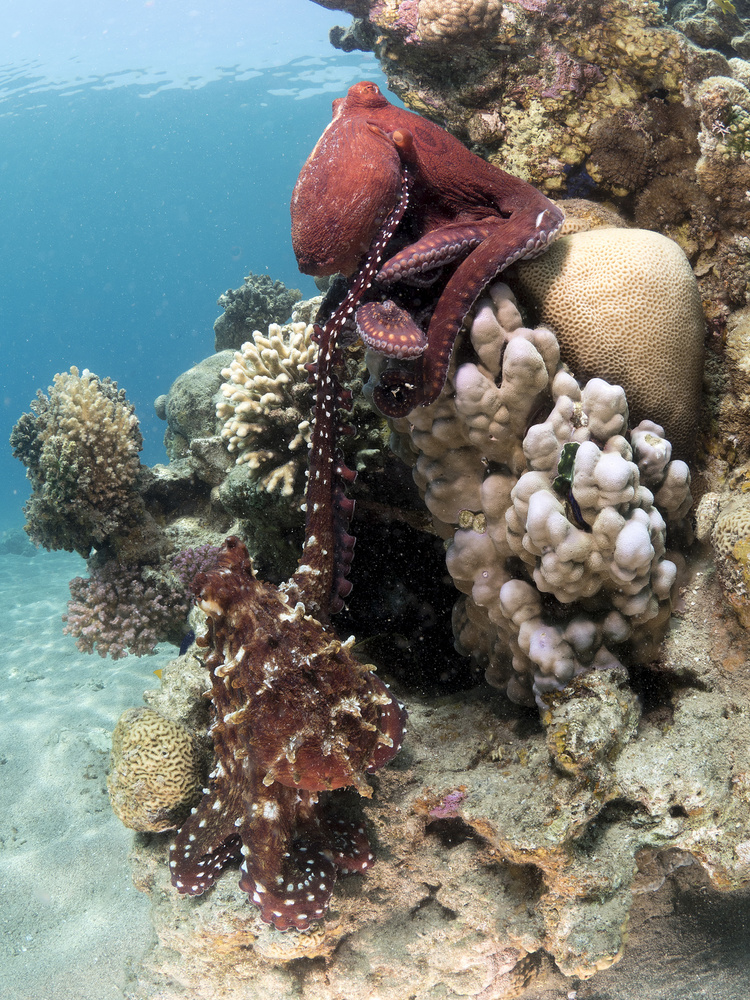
(463, 211)
(295, 714)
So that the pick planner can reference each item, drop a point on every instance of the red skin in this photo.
(462, 207)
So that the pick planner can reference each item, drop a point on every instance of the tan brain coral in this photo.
(155, 771)
(625, 306)
(444, 20)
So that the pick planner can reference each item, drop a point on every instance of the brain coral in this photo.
(443, 20)
(625, 307)
(154, 771)
(81, 447)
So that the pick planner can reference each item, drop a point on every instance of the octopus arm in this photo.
(207, 841)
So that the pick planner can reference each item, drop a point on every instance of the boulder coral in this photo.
(155, 771)
(625, 306)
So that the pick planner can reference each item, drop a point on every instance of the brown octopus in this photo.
(463, 213)
(295, 714)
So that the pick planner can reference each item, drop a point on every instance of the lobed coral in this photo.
(125, 609)
(573, 508)
(155, 771)
(261, 300)
(80, 446)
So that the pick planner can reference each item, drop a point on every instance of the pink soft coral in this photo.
(124, 609)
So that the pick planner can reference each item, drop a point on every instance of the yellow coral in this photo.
(155, 771)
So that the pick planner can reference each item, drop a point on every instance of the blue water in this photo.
(147, 156)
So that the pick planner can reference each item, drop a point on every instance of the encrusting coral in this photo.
(155, 771)
(80, 446)
(573, 506)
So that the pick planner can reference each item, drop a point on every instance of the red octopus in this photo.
(463, 213)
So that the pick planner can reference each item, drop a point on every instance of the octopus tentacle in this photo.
(442, 246)
(387, 329)
(322, 579)
(205, 844)
(507, 244)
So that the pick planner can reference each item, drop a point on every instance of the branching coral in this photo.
(80, 446)
(125, 609)
(261, 300)
(267, 403)
(573, 507)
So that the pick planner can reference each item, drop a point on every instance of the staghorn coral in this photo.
(80, 446)
(625, 306)
(261, 300)
(573, 506)
(266, 406)
(155, 771)
(125, 609)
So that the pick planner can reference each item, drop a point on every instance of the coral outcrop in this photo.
(626, 103)
(155, 771)
(80, 445)
(573, 507)
(260, 301)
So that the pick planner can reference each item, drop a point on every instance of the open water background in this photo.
(147, 156)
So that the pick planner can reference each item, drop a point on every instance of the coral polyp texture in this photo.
(266, 406)
(261, 300)
(125, 609)
(625, 306)
(80, 445)
(155, 771)
(573, 507)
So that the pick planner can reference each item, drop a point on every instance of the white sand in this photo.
(71, 919)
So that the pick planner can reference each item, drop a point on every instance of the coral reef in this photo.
(573, 507)
(80, 445)
(265, 406)
(122, 609)
(625, 306)
(605, 100)
(533, 853)
(155, 771)
(260, 301)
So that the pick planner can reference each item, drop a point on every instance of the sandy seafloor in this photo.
(71, 920)
(73, 925)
